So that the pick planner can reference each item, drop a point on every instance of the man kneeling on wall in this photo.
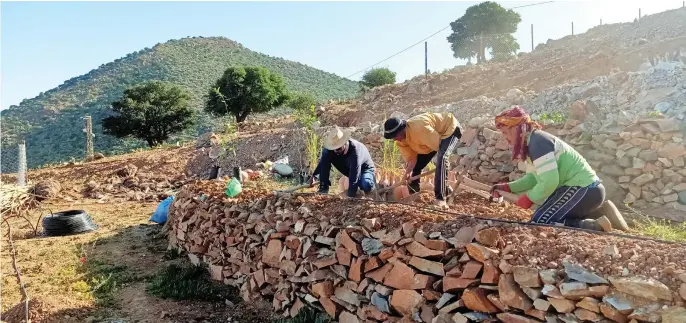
(558, 178)
(350, 157)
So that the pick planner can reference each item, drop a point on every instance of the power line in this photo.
(434, 34)
(400, 52)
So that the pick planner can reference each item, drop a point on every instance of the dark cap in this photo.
(392, 126)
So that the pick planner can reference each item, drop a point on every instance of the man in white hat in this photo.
(350, 157)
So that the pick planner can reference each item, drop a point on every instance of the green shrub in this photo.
(188, 282)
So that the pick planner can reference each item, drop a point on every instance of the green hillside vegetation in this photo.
(52, 126)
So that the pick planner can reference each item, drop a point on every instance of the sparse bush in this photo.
(313, 144)
(301, 101)
(555, 117)
(377, 77)
(390, 162)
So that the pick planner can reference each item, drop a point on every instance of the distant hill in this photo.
(51, 122)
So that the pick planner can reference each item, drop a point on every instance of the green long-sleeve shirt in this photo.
(551, 163)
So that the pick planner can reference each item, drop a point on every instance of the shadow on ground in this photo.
(116, 271)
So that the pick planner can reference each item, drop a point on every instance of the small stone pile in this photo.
(356, 268)
(129, 184)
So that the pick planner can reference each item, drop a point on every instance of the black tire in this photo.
(68, 222)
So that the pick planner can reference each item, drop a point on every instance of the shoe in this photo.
(600, 224)
(615, 217)
(605, 223)
(441, 204)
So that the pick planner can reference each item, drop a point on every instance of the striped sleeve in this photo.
(542, 153)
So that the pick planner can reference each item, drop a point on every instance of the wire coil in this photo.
(68, 222)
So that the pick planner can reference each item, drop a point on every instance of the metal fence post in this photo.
(532, 37)
(89, 137)
(21, 168)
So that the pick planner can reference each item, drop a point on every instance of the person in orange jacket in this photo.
(419, 139)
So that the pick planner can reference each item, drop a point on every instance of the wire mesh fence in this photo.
(13, 161)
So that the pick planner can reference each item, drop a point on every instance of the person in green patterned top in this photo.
(558, 179)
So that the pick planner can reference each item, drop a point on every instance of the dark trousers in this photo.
(367, 177)
(446, 148)
(569, 205)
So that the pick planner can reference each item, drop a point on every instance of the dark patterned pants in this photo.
(569, 205)
(446, 148)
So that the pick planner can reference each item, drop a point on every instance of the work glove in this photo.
(502, 187)
(524, 202)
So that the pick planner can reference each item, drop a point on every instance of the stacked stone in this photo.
(275, 247)
(646, 160)
(641, 164)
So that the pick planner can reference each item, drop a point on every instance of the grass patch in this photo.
(661, 229)
(307, 315)
(102, 280)
(172, 254)
(391, 161)
(188, 282)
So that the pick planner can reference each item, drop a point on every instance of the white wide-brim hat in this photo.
(335, 138)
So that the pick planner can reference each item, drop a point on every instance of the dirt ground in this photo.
(98, 276)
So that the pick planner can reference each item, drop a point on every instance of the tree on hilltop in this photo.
(377, 77)
(151, 111)
(486, 25)
(244, 90)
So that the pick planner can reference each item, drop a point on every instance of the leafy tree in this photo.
(486, 25)
(377, 77)
(151, 111)
(243, 90)
(193, 63)
(301, 101)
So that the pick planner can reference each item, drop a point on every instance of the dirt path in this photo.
(99, 276)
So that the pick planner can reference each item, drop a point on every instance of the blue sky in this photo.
(45, 43)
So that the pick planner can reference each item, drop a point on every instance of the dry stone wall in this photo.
(363, 266)
(629, 126)
(642, 165)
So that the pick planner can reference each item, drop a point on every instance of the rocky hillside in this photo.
(51, 125)
(600, 51)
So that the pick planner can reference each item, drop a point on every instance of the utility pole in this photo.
(426, 58)
(532, 37)
(89, 137)
(639, 13)
(601, 21)
(572, 28)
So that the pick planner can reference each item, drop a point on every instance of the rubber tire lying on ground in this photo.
(68, 222)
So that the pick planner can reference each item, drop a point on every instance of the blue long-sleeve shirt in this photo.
(356, 161)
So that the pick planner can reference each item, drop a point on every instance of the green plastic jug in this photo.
(233, 188)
